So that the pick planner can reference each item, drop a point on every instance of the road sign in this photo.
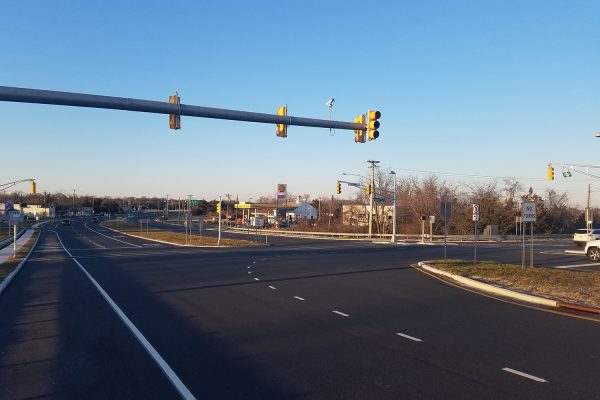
(378, 199)
(195, 203)
(475, 212)
(528, 212)
(243, 205)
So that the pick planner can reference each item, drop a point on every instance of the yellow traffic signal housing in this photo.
(368, 189)
(373, 124)
(359, 135)
(33, 187)
(338, 188)
(550, 172)
(218, 208)
(175, 119)
(282, 128)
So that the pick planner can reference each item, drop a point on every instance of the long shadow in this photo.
(263, 281)
(208, 366)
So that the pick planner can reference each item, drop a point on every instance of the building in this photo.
(303, 212)
(32, 210)
(358, 214)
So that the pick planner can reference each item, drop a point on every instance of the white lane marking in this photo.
(112, 238)
(256, 279)
(167, 370)
(562, 254)
(408, 337)
(253, 262)
(272, 287)
(248, 266)
(576, 266)
(523, 374)
(340, 313)
(250, 272)
(299, 298)
(91, 241)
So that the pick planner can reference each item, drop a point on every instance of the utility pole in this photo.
(73, 202)
(228, 201)
(167, 208)
(394, 213)
(219, 216)
(373, 166)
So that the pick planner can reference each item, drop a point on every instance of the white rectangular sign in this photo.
(475, 212)
(528, 212)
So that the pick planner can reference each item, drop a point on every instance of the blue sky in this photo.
(467, 87)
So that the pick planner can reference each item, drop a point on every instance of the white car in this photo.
(592, 250)
(582, 236)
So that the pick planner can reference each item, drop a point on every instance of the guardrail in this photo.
(400, 237)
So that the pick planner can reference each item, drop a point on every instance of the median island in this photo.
(581, 287)
(177, 238)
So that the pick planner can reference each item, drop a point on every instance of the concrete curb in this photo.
(490, 288)
(4, 284)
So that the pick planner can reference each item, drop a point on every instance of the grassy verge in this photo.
(9, 265)
(5, 233)
(567, 286)
(173, 237)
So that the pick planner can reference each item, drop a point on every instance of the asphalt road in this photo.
(314, 319)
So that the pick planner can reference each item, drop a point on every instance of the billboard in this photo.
(281, 190)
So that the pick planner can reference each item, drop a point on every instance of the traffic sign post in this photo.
(446, 211)
(476, 216)
(528, 213)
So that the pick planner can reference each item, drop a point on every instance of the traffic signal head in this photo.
(373, 124)
(175, 119)
(368, 188)
(219, 208)
(338, 188)
(550, 172)
(282, 128)
(33, 187)
(359, 135)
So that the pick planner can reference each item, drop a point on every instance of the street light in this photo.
(394, 213)
(373, 166)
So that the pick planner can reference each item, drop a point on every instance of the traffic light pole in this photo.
(373, 166)
(37, 96)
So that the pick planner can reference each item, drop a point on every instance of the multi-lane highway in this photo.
(97, 314)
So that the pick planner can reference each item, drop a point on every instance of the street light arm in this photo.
(5, 186)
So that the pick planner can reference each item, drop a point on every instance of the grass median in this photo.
(9, 265)
(581, 287)
(166, 235)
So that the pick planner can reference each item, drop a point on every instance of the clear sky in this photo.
(496, 88)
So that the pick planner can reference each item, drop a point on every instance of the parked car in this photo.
(66, 222)
(582, 236)
(592, 250)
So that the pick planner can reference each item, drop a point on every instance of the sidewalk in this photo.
(7, 252)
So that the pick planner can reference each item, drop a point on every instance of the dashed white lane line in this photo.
(272, 287)
(253, 262)
(256, 279)
(299, 298)
(250, 272)
(91, 241)
(340, 313)
(408, 337)
(524, 375)
(152, 352)
(93, 230)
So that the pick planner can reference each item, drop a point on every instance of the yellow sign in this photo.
(243, 205)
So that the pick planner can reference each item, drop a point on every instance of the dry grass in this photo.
(568, 286)
(9, 265)
(173, 237)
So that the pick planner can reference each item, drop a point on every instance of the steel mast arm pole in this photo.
(23, 95)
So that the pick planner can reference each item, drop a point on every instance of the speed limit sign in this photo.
(475, 212)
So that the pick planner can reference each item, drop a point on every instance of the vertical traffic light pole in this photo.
(373, 166)
(219, 216)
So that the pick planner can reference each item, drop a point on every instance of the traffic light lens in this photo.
(374, 115)
(374, 125)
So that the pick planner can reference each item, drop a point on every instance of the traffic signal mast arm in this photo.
(37, 96)
(358, 185)
(4, 186)
(576, 168)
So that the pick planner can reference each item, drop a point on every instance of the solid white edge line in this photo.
(106, 236)
(167, 370)
(256, 279)
(523, 374)
(340, 313)
(272, 287)
(576, 266)
(299, 298)
(408, 337)
(4, 284)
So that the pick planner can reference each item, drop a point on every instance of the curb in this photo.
(508, 293)
(4, 284)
